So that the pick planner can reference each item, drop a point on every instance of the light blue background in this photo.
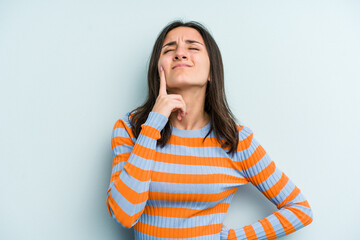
(70, 69)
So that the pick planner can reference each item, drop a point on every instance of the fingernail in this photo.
(161, 68)
(186, 112)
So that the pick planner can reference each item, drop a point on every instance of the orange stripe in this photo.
(195, 178)
(244, 143)
(143, 152)
(120, 158)
(255, 157)
(268, 228)
(138, 173)
(232, 235)
(178, 232)
(277, 187)
(263, 175)
(175, 212)
(115, 175)
(286, 224)
(121, 124)
(118, 141)
(107, 204)
(174, 196)
(128, 193)
(291, 196)
(303, 203)
(146, 130)
(185, 160)
(150, 132)
(239, 127)
(250, 232)
(120, 215)
(194, 142)
(199, 197)
(208, 142)
(303, 217)
(197, 161)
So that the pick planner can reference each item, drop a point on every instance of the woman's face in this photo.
(184, 59)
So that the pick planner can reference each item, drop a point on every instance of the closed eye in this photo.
(173, 49)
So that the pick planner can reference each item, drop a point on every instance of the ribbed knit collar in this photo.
(191, 133)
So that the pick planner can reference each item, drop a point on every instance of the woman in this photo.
(179, 158)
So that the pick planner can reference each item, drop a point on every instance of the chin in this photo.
(179, 80)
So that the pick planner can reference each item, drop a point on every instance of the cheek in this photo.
(205, 62)
(165, 62)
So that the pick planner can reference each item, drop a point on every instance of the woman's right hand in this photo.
(168, 103)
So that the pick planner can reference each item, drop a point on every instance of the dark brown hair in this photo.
(223, 122)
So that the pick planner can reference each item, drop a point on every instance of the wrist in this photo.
(224, 232)
(156, 120)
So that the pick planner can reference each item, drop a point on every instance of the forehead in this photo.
(183, 33)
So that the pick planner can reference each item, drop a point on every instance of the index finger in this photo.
(162, 90)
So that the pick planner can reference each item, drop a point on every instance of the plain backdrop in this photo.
(70, 69)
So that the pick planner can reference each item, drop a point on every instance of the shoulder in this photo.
(123, 124)
(246, 137)
(244, 131)
(124, 120)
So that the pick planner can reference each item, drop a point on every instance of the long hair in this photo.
(223, 122)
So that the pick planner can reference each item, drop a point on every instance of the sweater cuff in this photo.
(156, 120)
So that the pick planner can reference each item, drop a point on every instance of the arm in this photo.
(257, 167)
(131, 169)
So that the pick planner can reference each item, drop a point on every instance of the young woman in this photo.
(179, 158)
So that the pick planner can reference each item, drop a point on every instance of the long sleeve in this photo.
(257, 167)
(131, 168)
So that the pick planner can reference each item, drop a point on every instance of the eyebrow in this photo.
(174, 43)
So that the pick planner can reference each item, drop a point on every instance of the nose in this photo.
(180, 53)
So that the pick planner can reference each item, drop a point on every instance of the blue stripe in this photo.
(192, 188)
(271, 181)
(279, 230)
(287, 189)
(194, 169)
(125, 205)
(120, 132)
(133, 183)
(259, 230)
(188, 204)
(297, 224)
(143, 236)
(171, 222)
(193, 151)
(240, 233)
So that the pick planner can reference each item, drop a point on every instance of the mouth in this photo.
(181, 65)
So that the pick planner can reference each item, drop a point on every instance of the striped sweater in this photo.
(183, 190)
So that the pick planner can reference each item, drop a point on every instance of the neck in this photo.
(196, 118)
